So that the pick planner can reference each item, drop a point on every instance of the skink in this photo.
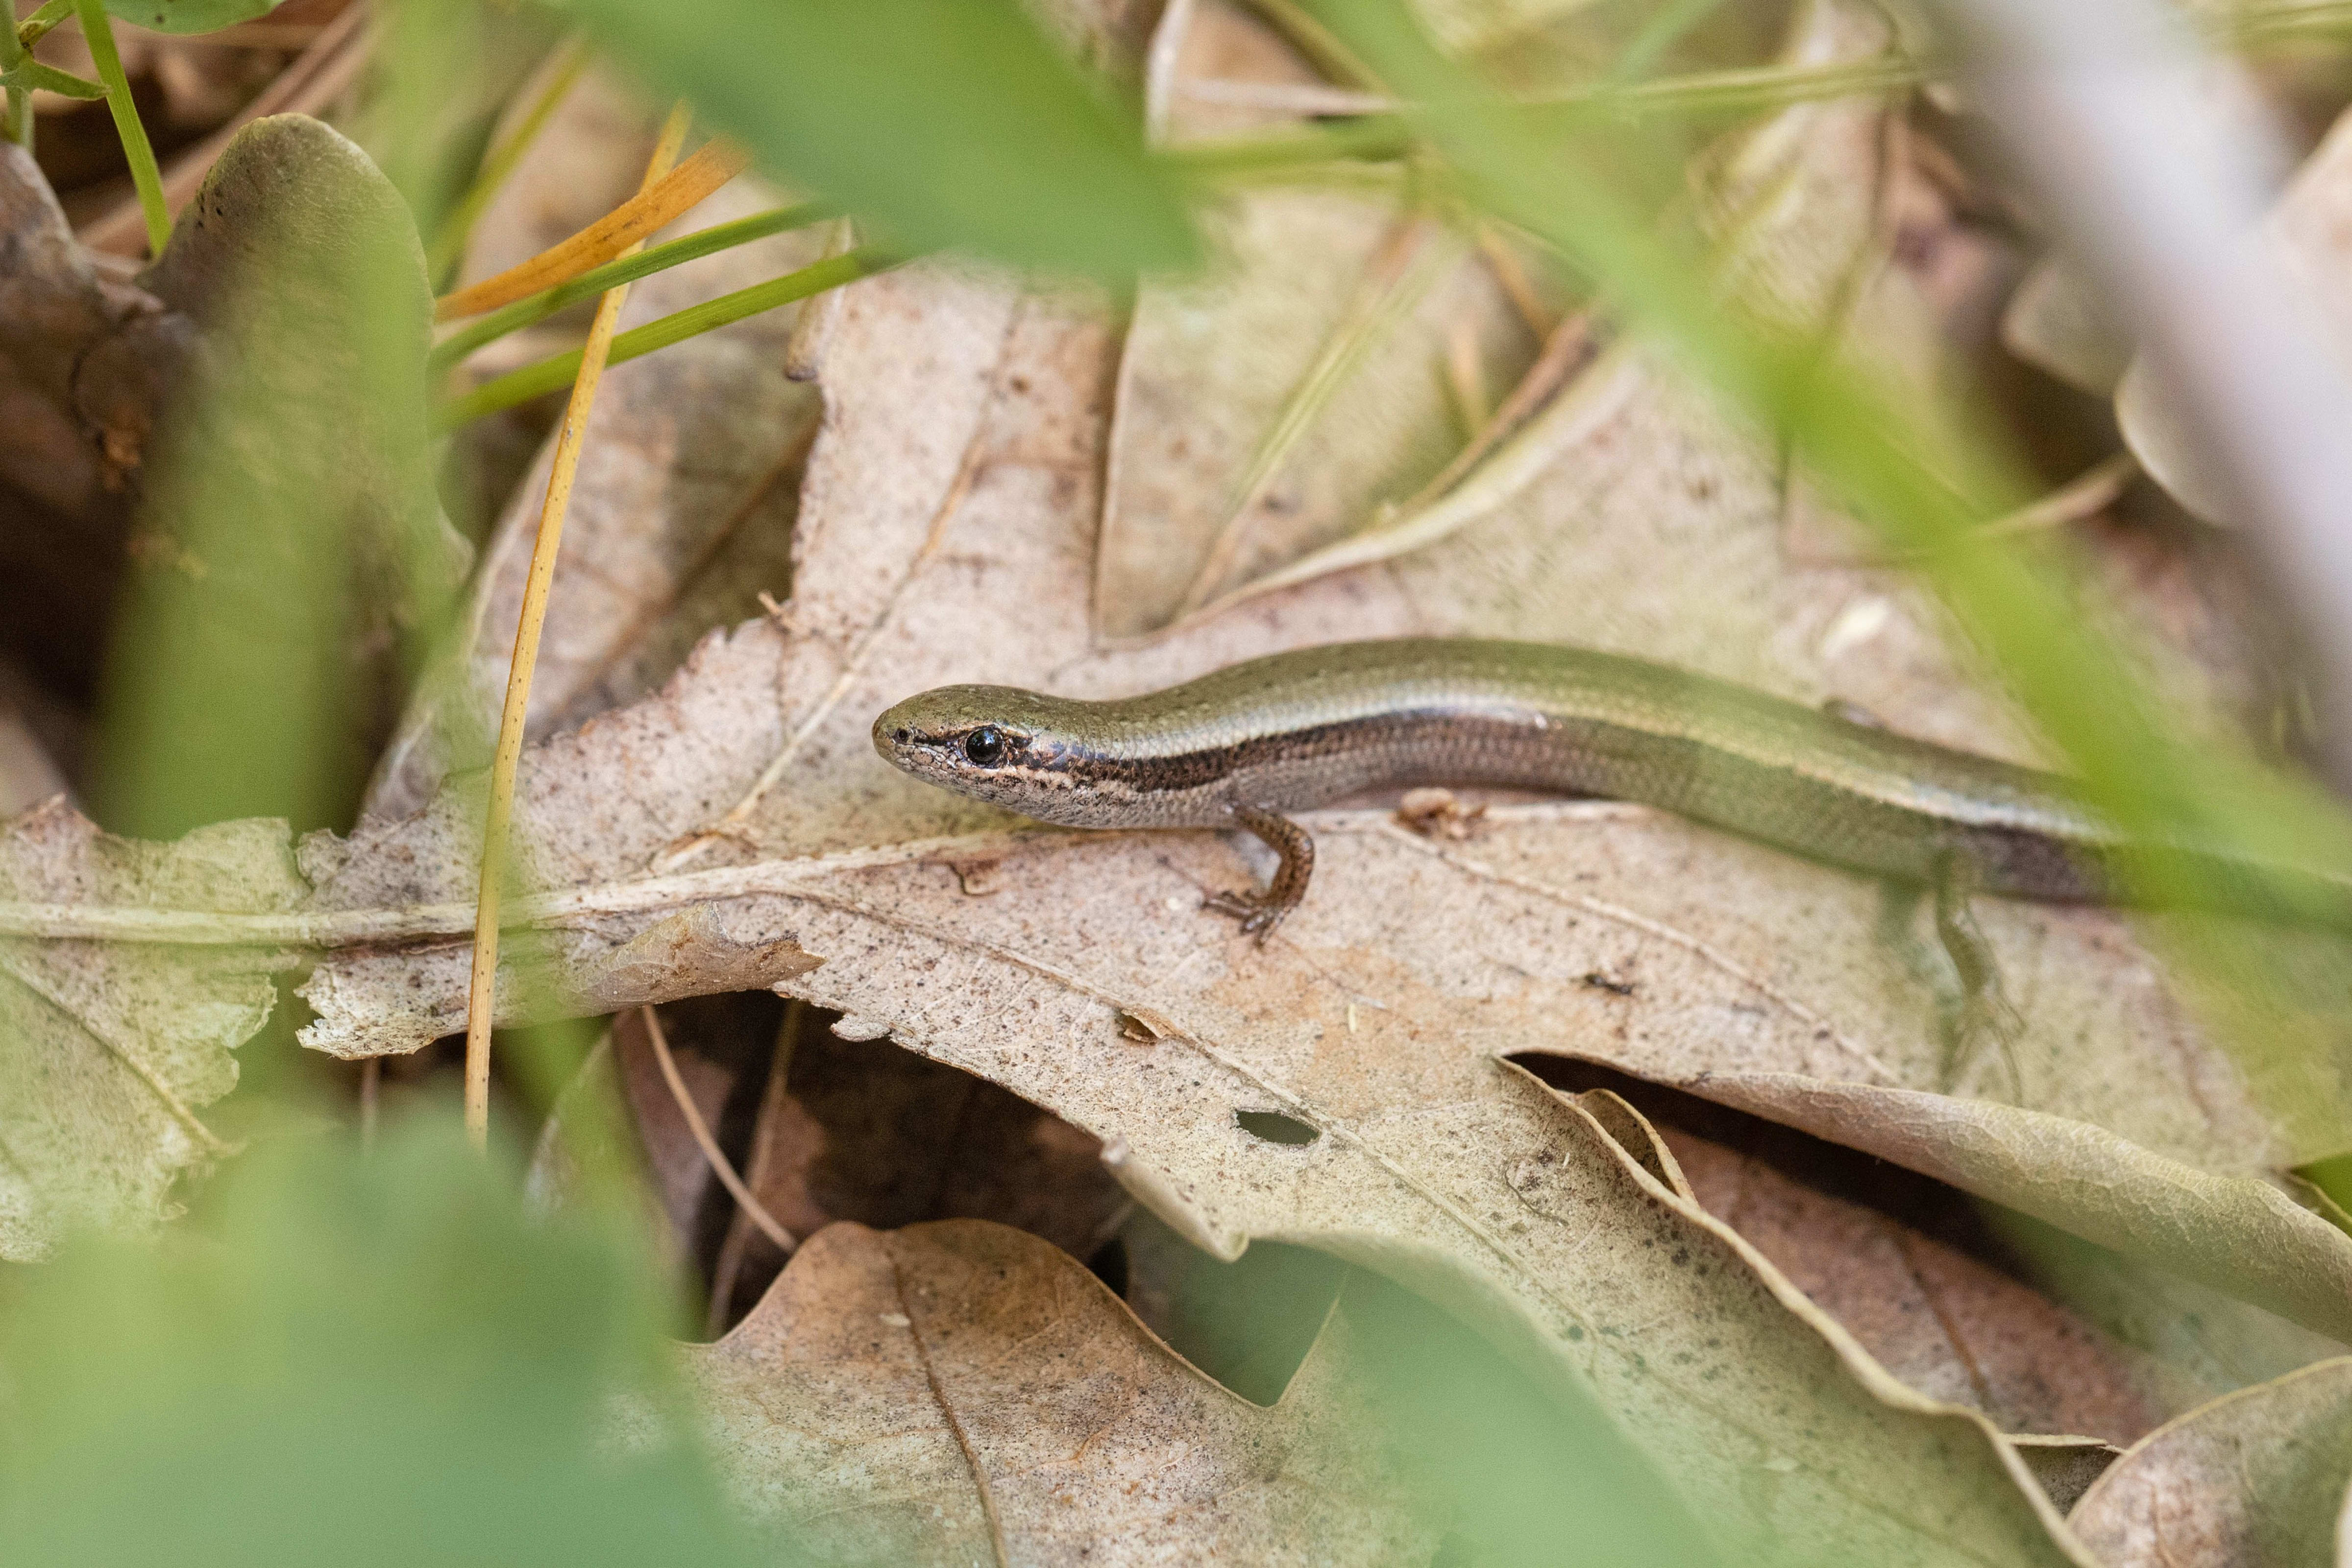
(1241, 746)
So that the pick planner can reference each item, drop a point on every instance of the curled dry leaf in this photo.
(2054, 322)
(2257, 1478)
(2233, 1233)
(1967, 1298)
(84, 367)
(962, 1392)
(1902, 1278)
(2310, 230)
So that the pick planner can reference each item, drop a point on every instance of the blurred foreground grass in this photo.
(352, 1359)
(380, 1358)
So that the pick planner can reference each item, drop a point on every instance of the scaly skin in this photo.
(1239, 748)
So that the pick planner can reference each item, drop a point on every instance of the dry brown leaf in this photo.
(962, 1392)
(681, 517)
(946, 531)
(108, 1054)
(862, 1130)
(2256, 1239)
(1081, 930)
(1378, 1018)
(2174, 1345)
(2255, 1479)
(1939, 1318)
(1269, 409)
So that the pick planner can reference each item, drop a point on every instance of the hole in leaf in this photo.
(1274, 1127)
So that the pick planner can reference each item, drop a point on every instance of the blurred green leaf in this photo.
(441, 72)
(355, 1360)
(188, 16)
(289, 553)
(952, 123)
(1466, 1427)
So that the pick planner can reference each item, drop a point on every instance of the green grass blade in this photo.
(553, 374)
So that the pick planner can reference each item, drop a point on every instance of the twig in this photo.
(617, 232)
(1465, 377)
(1511, 275)
(1316, 42)
(729, 1266)
(2091, 491)
(1567, 348)
(99, 33)
(720, 1165)
(508, 755)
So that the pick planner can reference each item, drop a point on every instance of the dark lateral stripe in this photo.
(1182, 771)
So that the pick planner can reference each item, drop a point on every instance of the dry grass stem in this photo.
(508, 755)
(720, 1165)
(617, 234)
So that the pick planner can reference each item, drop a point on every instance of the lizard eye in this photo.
(984, 745)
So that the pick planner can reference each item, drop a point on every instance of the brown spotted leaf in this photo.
(109, 1051)
(962, 1392)
(2255, 1479)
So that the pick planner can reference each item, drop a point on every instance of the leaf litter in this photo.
(1395, 1111)
(957, 1392)
(2259, 1477)
(1181, 1149)
(733, 831)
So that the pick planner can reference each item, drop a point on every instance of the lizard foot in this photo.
(1258, 912)
(1981, 1016)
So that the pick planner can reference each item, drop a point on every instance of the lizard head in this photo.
(1010, 747)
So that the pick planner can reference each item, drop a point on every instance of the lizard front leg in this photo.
(1982, 1011)
(1260, 913)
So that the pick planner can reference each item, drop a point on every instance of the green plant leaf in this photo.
(406, 1370)
(31, 75)
(293, 554)
(952, 122)
(185, 16)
